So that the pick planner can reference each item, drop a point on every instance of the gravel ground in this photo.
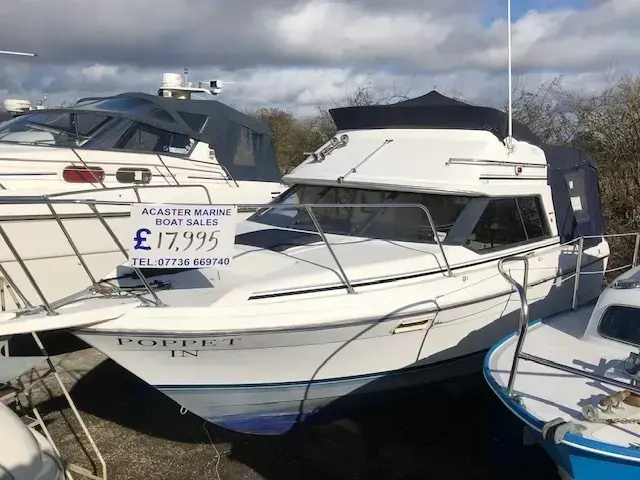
(453, 430)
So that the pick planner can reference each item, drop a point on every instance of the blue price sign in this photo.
(179, 236)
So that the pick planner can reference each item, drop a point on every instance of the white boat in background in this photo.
(25, 454)
(131, 147)
(376, 270)
(14, 107)
(573, 379)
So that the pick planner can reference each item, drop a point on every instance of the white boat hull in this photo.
(268, 382)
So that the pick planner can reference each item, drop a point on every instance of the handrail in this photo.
(524, 311)
(93, 204)
(576, 285)
(126, 187)
(524, 323)
(298, 206)
(501, 163)
(63, 198)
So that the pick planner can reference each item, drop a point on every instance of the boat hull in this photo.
(577, 457)
(277, 408)
(268, 382)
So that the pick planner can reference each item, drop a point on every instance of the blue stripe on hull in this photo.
(276, 408)
(584, 465)
(580, 457)
(274, 424)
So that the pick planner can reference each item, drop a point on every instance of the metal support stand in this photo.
(11, 395)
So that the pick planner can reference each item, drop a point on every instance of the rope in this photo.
(216, 470)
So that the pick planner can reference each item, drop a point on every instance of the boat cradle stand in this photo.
(17, 392)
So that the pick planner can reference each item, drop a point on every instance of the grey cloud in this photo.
(231, 35)
(92, 47)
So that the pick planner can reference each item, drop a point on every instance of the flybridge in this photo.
(431, 111)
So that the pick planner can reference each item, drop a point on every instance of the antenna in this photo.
(21, 54)
(510, 113)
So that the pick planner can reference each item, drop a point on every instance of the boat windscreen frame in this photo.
(458, 233)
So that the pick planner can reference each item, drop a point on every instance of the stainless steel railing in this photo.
(136, 189)
(54, 200)
(521, 289)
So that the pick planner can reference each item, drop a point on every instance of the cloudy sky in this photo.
(296, 54)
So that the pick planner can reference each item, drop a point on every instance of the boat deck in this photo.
(549, 393)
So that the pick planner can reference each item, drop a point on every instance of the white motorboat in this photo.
(376, 270)
(573, 380)
(130, 147)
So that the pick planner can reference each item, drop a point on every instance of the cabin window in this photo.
(507, 222)
(60, 128)
(75, 174)
(622, 324)
(195, 121)
(407, 224)
(130, 106)
(245, 149)
(578, 195)
(133, 175)
(88, 123)
(145, 138)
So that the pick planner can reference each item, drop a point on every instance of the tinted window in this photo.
(195, 121)
(578, 195)
(621, 323)
(245, 153)
(133, 175)
(508, 221)
(532, 217)
(54, 128)
(140, 137)
(128, 106)
(408, 224)
(89, 123)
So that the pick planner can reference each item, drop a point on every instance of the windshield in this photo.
(129, 106)
(53, 128)
(401, 223)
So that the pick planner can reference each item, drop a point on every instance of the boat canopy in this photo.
(432, 110)
(227, 130)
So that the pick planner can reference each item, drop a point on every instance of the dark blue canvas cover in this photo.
(572, 174)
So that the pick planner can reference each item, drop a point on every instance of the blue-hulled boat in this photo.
(575, 385)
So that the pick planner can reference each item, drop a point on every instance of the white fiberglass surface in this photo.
(550, 393)
(84, 311)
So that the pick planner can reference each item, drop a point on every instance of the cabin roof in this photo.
(432, 110)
